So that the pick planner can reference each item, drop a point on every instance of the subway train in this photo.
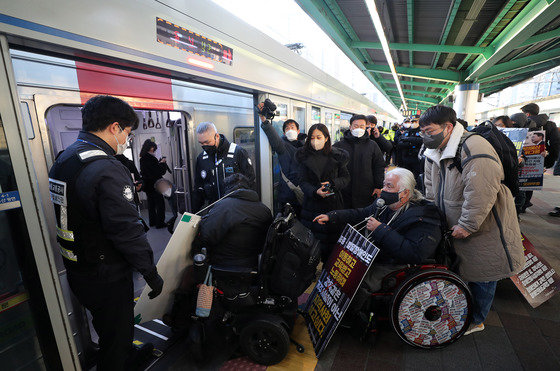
(178, 64)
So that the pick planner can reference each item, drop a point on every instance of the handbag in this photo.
(205, 296)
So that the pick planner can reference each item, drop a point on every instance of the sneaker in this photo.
(474, 328)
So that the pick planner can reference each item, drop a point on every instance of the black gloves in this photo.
(155, 282)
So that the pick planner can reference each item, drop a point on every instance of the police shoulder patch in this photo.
(249, 161)
(203, 174)
(128, 193)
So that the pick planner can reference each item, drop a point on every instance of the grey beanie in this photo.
(519, 119)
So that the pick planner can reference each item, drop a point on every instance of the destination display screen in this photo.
(189, 41)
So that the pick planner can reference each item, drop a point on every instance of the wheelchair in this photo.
(245, 305)
(428, 306)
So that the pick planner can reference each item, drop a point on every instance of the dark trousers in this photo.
(112, 307)
(156, 209)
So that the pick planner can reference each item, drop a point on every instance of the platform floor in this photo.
(516, 337)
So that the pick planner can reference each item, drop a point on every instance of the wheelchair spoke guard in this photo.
(431, 309)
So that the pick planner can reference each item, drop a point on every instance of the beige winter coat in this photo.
(493, 250)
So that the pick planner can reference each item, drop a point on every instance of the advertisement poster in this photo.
(538, 281)
(341, 277)
(531, 175)
(517, 136)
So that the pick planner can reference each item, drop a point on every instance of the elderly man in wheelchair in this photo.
(404, 282)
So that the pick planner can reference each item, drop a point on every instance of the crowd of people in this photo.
(431, 172)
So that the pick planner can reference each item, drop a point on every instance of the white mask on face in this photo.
(317, 144)
(358, 133)
(291, 135)
(415, 125)
(167, 193)
(406, 126)
(121, 147)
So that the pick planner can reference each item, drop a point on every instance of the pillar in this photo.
(464, 103)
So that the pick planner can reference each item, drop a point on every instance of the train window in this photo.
(245, 137)
(19, 345)
(26, 115)
(315, 115)
(299, 116)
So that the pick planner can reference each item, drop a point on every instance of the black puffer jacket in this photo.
(366, 168)
(311, 175)
(234, 230)
(411, 238)
(151, 170)
(552, 138)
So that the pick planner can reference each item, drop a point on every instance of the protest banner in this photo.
(517, 136)
(531, 174)
(538, 281)
(341, 277)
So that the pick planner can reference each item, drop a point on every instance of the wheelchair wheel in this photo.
(431, 309)
(265, 341)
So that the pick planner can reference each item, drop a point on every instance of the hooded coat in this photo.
(552, 137)
(366, 168)
(480, 203)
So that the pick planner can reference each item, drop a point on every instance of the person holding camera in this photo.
(152, 170)
(219, 159)
(285, 147)
(322, 176)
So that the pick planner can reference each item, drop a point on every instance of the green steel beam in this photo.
(417, 83)
(322, 15)
(423, 73)
(448, 24)
(417, 99)
(530, 20)
(520, 63)
(429, 93)
(522, 71)
(423, 47)
(410, 23)
(542, 37)
(510, 81)
(490, 28)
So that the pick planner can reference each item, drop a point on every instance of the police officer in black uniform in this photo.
(100, 235)
(408, 147)
(219, 159)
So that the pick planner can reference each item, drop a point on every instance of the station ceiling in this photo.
(437, 44)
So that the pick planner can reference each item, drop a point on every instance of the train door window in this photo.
(336, 128)
(245, 137)
(20, 307)
(315, 115)
(299, 114)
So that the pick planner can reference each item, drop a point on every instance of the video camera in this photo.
(268, 110)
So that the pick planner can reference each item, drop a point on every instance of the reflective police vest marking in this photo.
(91, 153)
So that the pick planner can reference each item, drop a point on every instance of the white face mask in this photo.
(358, 133)
(121, 147)
(406, 126)
(291, 135)
(167, 193)
(317, 144)
(415, 125)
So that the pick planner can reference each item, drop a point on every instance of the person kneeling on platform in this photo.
(407, 231)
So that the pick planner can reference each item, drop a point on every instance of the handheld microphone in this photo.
(379, 203)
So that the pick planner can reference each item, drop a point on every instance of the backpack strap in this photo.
(457, 159)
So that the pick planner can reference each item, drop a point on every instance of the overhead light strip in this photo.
(372, 9)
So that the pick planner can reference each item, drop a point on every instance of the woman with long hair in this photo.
(322, 176)
(152, 170)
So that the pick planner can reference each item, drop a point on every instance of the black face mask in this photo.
(209, 149)
(389, 197)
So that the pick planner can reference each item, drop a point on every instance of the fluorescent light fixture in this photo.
(372, 9)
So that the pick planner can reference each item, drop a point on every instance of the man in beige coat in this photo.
(478, 207)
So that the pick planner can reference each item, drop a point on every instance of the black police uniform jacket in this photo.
(234, 229)
(98, 227)
(408, 147)
(316, 167)
(285, 150)
(212, 169)
(411, 238)
(366, 167)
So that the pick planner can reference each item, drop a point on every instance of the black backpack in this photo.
(291, 257)
(505, 149)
